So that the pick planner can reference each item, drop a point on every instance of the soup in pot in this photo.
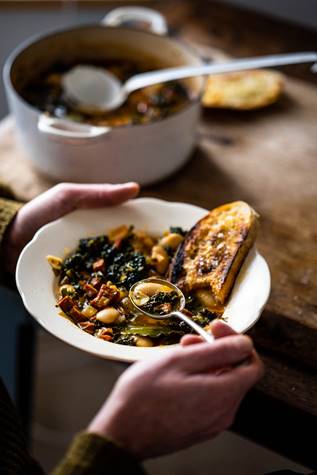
(45, 92)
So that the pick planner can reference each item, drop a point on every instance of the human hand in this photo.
(218, 328)
(186, 396)
(55, 203)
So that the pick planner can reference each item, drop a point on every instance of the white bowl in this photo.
(35, 278)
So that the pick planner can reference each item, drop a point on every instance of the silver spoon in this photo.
(175, 313)
(95, 88)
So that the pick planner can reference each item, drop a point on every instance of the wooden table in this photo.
(267, 158)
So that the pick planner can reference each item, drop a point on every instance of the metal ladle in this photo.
(94, 88)
(175, 313)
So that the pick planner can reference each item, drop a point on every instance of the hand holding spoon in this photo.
(140, 295)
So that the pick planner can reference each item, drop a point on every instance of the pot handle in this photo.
(153, 20)
(70, 130)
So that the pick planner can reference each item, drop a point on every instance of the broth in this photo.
(45, 92)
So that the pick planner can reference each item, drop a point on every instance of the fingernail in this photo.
(129, 183)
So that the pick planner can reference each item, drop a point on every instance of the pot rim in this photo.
(27, 43)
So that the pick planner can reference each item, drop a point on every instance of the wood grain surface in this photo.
(267, 158)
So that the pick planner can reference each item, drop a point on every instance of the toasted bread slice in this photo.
(214, 249)
(243, 90)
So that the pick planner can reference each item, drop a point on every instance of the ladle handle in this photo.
(154, 77)
(198, 329)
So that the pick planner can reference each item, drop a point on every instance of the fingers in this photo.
(190, 340)
(220, 329)
(62, 199)
(96, 195)
(202, 357)
(243, 377)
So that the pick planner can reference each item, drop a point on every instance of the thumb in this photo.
(220, 329)
(99, 195)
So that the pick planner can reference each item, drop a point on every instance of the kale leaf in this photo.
(156, 303)
(127, 268)
(177, 230)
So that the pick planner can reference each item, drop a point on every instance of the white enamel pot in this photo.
(67, 151)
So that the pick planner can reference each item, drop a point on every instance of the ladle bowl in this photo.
(179, 313)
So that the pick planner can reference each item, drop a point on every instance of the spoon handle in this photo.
(207, 336)
(154, 77)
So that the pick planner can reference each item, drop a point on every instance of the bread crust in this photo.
(213, 251)
(245, 90)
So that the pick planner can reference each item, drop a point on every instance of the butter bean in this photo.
(172, 240)
(151, 288)
(160, 258)
(144, 341)
(108, 315)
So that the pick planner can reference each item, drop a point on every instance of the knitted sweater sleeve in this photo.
(88, 454)
(91, 454)
(8, 210)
